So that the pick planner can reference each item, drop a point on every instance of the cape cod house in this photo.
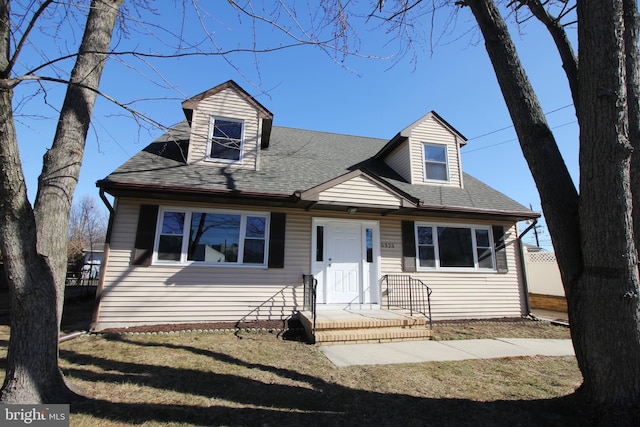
(229, 218)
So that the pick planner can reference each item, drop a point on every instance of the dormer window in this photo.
(435, 162)
(225, 140)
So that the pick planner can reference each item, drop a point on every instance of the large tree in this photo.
(33, 239)
(592, 229)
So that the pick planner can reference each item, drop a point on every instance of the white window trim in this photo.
(473, 227)
(446, 162)
(208, 158)
(186, 230)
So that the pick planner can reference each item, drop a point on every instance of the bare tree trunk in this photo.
(558, 194)
(592, 233)
(631, 28)
(606, 302)
(31, 284)
(34, 240)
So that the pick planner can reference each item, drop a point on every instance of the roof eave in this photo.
(164, 192)
(457, 210)
(167, 192)
(398, 139)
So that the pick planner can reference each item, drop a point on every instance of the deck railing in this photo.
(403, 291)
(309, 303)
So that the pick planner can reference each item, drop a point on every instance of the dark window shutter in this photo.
(408, 246)
(145, 235)
(500, 248)
(276, 239)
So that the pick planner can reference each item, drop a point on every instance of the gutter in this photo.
(116, 188)
(520, 215)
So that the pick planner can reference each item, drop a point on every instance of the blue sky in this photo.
(305, 88)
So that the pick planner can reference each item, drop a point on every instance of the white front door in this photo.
(345, 261)
(344, 251)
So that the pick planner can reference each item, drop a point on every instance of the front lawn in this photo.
(257, 378)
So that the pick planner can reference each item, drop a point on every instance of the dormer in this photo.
(229, 127)
(426, 152)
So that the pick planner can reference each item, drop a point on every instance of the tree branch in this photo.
(558, 194)
(25, 35)
(29, 75)
(403, 10)
(556, 29)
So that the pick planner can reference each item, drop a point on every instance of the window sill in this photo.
(456, 270)
(207, 265)
(223, 161)
(436, 182)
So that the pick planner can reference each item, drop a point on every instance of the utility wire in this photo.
(510, 126)
(513, 139)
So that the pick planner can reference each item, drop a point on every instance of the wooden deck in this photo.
(364, 326)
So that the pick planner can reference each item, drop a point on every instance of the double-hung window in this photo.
(457, 247)
(225, 140)
(435, 162)
(212, 237)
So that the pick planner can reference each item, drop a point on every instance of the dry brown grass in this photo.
(256, 378)
(509, 328)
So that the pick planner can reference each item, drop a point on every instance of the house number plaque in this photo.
(387, 245)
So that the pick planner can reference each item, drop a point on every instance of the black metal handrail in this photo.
(403, 291)
(309, 298)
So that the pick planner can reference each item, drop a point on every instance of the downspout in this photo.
(105, 257)
(523, 267)
(71, 336)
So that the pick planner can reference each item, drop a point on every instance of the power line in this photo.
(510, 126)
(513, 139)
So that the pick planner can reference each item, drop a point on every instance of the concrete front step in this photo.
(370, 335)
(370, 323)
(360, 326)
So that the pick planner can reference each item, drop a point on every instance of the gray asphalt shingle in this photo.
(295, 160)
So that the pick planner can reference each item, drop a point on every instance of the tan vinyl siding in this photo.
(431, 131)
(400, 161)
(227, 104)
(359, 190)
(184, 294)
(461, 294)
(134, 295)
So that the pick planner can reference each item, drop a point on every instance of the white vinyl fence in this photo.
(543, 275)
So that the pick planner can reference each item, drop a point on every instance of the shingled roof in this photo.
(297, 160)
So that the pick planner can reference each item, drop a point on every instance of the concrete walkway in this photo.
(438, 351)
(560, 317)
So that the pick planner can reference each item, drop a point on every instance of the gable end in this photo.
(355, 189)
